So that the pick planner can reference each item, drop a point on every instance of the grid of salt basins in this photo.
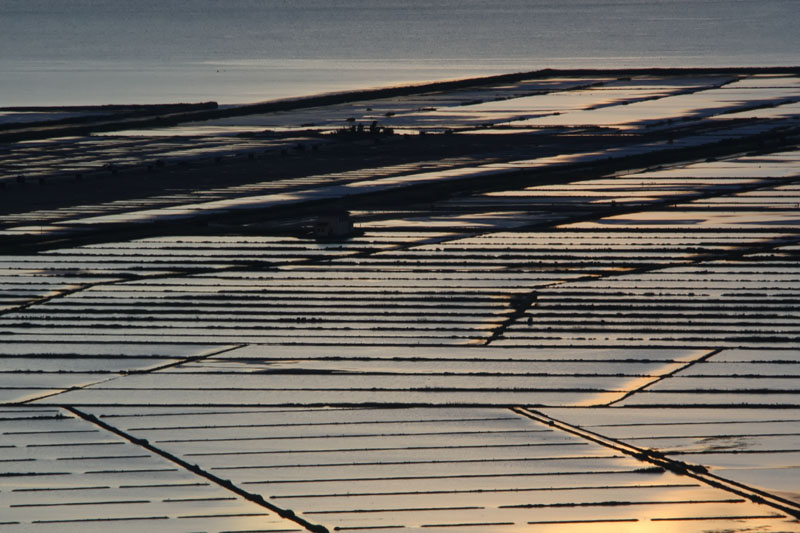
(82, 156)
(48, 220)
(219, 382)
(636, 103)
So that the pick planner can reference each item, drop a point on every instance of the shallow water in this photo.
(113, 51)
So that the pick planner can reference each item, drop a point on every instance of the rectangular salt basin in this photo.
(333, 397)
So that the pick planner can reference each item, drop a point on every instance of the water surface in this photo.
(116, 51)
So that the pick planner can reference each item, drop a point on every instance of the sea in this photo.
(85, 52)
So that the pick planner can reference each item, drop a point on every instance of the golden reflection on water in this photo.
(634, 383)
(673, 518)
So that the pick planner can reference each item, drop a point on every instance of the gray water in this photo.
(123, 51)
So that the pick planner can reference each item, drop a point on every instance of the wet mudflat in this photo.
(584, 315)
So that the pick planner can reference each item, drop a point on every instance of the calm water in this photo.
(118, 51)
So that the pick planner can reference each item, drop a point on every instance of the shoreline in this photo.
(449, 83)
